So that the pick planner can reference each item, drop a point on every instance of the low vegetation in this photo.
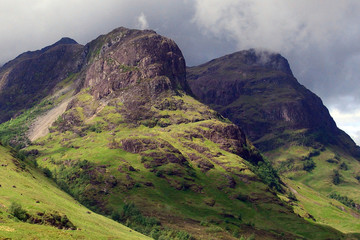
(33, 207)
(346, 201)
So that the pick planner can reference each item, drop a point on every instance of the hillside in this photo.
(46, 212)
(132, 140)
(257, 91)
(33, 75)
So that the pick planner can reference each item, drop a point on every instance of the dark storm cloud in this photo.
(321, 39)
(30, 25)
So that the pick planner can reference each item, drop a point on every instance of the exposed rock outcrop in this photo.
(126, 58)
(257, 91)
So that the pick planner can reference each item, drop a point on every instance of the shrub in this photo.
(252, 237)
(358, 178)
(182, 235)
(236, 234)
(204, 222)
(292, 196)
(344, 166)
(133, 218)
(17, 211)
(268, 175)
(309, 165)
(214, 229)
(336, 177)
(47, 172)
(344, 200)
(95, 128)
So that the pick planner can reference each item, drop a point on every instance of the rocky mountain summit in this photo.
(33, 75)
(257, 91)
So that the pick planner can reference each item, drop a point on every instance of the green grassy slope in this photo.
(292, 128)
(22, 184)
(321, 209)
(318, 184)
(134, 146)
(204, 189)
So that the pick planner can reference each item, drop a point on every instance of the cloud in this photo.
(349, 121)
(142, 22)
(319, 38)
(30, 25)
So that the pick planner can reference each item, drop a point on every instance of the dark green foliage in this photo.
(96, 128)
(17, 211)
(336, 179)
(309, 165)
(332, 161)
(76, 180)
(131, 216)
(47, 172)
(152, 122)
(287, 165)
(358, 178)
(268, 175)
(158, 233)
(344, 166)
(20, 154)
(344, 200)
(13, 132)
(314, 153)
(54, 219)
(182, 235)
(292, 196)
(252, 237)
(236, 234)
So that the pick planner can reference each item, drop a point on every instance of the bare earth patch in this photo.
(41, 125)
(6, 229)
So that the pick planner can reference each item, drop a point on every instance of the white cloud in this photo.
(142, 22)
(349, 121)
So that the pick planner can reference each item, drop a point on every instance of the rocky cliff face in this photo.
(31, 76)
(128, 57)
(258, 92)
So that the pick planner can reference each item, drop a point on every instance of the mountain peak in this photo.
(262, 58)
(125, 58)
(62, 41)
(66, 40)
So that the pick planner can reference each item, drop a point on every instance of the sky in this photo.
(320, 39)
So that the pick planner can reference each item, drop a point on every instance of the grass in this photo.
(174, 198)
(314, 188)
(325, 210)
(90, 160)
(13, 132)
(36, 193)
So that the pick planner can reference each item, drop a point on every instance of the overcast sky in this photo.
(321, 39)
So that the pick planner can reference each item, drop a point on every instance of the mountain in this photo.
(121, 133)
(290, 125)
(257, 91)
(33, 207)
(33, 75)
